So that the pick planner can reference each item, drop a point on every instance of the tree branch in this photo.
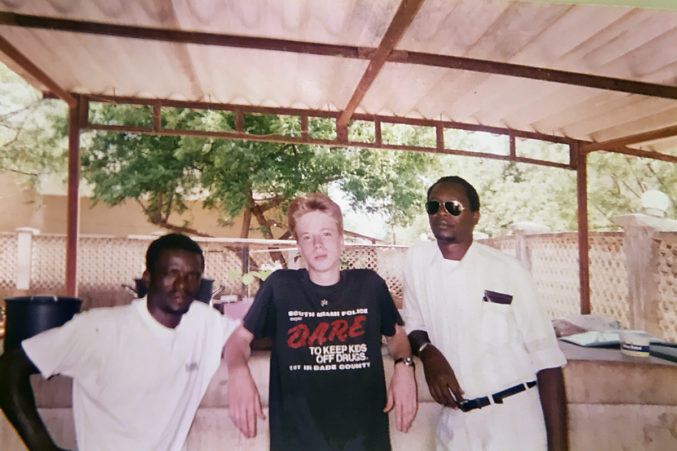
(17, 171)
(30, 106)
(180, 229)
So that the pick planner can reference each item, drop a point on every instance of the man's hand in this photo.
(442, 383)
(244, 402)
(402, 396)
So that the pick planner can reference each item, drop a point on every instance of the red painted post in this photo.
(73, 213)
(583, 244)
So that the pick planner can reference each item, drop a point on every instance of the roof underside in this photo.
(489, 63)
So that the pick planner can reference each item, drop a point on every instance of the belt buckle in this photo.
(467, 405)
(477, 403)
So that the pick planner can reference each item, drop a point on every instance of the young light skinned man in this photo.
(327, 385)
(488, 350)
(139, 370)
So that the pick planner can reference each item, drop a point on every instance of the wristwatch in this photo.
(406, 360)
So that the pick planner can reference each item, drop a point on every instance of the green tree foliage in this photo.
(617, 182)
(257, 179)
(516, 192)
(32, 130)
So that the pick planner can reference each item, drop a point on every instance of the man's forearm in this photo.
(417, 340)
(398, 344)
(553, 402)
(18, 403)
(237, 350)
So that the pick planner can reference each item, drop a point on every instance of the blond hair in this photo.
(313, 202)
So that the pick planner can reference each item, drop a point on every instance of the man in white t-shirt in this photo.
(139, 370)
(489, 352)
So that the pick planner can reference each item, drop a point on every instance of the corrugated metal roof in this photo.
(420, 78)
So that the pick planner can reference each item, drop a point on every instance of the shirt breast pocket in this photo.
(498, 318)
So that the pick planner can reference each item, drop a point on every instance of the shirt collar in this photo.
(437, 254)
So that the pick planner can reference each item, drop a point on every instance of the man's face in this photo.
(175, 281)
(449, 229)
(319, 242)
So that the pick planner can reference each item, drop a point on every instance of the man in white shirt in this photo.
(139, 370)
(489, 352)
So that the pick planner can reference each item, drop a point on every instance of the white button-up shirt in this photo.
(482, 313)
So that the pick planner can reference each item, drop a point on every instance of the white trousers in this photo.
(516, 424)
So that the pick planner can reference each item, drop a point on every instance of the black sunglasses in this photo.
(453, 207)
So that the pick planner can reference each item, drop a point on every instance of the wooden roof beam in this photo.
(535, 73)
(310, 113)
(401, 21)
(183, 36)
(623, 141)
(34, 71)
(346, 51)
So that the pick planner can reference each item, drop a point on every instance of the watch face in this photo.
(406, 360)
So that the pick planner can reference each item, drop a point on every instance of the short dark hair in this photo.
(171, 241)
(470, 191)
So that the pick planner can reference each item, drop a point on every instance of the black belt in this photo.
(497, 397)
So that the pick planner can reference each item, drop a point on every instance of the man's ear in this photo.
(475, 217)
(146, 279)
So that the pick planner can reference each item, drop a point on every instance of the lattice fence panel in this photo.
(507, 245)
(107, 262)
(390, 266)
(8, 260)
(48, 264)
(666, 280)
(359, 257)
(554, 267)
(386, 261)
(104, 263)
(608, 276)
(219, 260)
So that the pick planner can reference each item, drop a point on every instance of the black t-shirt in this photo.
(327, 387)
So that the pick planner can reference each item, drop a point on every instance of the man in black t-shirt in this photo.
(327, 385)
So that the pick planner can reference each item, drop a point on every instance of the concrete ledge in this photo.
(594, 427)
(614, 401)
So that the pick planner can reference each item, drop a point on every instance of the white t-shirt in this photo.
(136, 383)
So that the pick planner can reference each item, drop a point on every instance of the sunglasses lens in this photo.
(431, 207)
(454, 208)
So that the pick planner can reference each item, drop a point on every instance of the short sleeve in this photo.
(411, 309)
(260, 319)
(61, 350)
(389, 314)
(224, 327)
(537, 331)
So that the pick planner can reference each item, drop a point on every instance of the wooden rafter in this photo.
(346, 51)
(34, 71)
(301, 112)
(623, 141)
(305, 138)
(401, 21)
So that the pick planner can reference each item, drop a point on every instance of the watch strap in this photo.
(406, 360)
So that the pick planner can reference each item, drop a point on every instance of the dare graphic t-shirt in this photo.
(327, 386)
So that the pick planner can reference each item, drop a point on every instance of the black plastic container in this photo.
(26, 316)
